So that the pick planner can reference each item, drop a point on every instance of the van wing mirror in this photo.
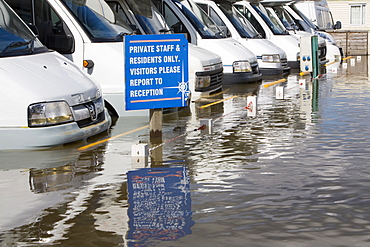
(338, 25)
(63, 44)
(33, 28)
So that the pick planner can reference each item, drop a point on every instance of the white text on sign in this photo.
(152, 48)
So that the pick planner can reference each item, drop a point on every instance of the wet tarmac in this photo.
(296, 174)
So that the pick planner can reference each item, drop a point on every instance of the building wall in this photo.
(354, 39)
(341, 12)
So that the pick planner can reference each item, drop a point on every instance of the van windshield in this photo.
(15, 38)
(305, 18)
(241, 24)
(205, 26)
(270, 20)
(149, 17)
(100, 22)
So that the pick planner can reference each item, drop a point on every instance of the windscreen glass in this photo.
(275, 25)
(241, 24)
(150, 19)
(15, 38)
(205, 26)
(99, 21)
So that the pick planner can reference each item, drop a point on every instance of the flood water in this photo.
(297, 174)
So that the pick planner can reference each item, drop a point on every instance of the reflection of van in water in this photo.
(93, 42)
(205, 67)
(240, 65)
(46, 100)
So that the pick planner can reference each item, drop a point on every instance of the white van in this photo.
(271, 27)
(319, 13)
(46, 100)
(93, 42)
(205, 67)
(271, 59)
(293, 19)
(240, 65)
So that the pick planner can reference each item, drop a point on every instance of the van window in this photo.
(285, 19)
(98, 20)
(241, 24)
(15, 38)
(52, 31)
(212, 13)
(116, 7)
(250, 17)
(174, 22)
(149, 17)
(275, 25)
(207, 28)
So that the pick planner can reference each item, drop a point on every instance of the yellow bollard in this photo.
(347, 58)
(273, 83)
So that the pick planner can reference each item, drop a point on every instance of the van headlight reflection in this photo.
(241, 66)
(49, 113)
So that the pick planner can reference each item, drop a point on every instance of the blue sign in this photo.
(159, 205)
(156, 71)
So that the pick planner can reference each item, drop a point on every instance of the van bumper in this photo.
(45, 137)
(238, 78)
(275, 71)
(294, 64)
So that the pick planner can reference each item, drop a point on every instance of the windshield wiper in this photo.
(17, 44)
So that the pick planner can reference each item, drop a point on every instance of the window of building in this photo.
(357, 14)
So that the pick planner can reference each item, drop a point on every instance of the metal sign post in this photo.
(315, 56)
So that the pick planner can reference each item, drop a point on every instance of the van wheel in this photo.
(112, 113)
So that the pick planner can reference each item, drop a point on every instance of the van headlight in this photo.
(241, 66)
(202, 81)
(271, 58)
(49, 113)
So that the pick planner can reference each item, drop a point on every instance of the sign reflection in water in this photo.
(160, 205)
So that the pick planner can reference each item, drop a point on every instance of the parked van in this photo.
(45, 99)
(319, 13)
(270, 27)
(271, 30)
(271, 59)
(328, 37)
(292, 19)
(94, 42)
(205, 67)
(240, 65)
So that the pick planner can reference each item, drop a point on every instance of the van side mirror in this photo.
(225, 31)
(337, 25)
(33, 28)
(63, 44)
